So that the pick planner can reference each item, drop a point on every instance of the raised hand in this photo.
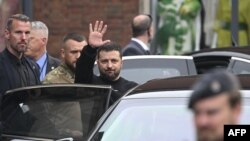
(96, 34)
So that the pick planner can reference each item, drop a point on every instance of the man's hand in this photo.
(96, 34)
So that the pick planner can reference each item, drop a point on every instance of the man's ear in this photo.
(121, 63)
(44, 40)
(7, 34)
(149, 33)
(237, 111)
(62, 53)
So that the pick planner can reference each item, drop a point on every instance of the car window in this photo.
(144, 74)
(205, 63)
(153, 119)
(241, 67)
(54, 111)
(142, 70)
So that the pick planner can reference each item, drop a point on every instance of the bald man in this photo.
(142, 31)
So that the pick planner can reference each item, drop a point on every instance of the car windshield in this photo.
(53, 112)
(151, 119)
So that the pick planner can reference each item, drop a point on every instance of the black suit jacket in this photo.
(134, 48)
(52, 63)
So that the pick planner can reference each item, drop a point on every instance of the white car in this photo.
(157, 111)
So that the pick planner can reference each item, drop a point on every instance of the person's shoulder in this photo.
(1, 60)
(53, 59)
(130, 45)
(128, 82)
(32, 63)
(2, 55)
(130, 50)
(57, 71)
(52, 75)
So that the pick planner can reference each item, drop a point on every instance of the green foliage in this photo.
(173, 26)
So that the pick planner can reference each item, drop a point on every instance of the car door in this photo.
(48, 112)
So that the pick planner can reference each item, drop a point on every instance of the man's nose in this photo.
(24, 36)
(78, 54)
(109, 64)
(202, 119)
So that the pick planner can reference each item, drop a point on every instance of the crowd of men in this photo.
(25, 62)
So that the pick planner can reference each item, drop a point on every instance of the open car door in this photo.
(51, 112)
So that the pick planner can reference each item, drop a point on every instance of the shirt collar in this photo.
(42, 60)
(144, 46)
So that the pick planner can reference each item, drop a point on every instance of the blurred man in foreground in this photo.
(215, 101)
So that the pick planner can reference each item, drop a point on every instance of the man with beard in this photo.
(73, 44)
(16, 70)
(109, 60)
(215, 101)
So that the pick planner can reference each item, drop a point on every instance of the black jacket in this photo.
(84, 74)
(10, 75)
(15, 73)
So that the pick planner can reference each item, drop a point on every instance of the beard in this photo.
(109, 74)
(208, 135)
(210, 138)
(71, 66)
(21, 47)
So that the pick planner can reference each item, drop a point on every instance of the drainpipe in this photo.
(234, 22)
(27, 8)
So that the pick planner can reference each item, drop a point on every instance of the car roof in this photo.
(180, 83)
(222, 54)
(242, 52)
(242, 49)
(157, 57)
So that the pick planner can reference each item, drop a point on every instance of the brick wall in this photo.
(7, 8)
(63, 16)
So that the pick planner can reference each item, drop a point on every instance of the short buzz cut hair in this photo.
(39, 25)
(140, 27)
(74, 36)
(110, 46)
(214, 83)
(19, 17)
